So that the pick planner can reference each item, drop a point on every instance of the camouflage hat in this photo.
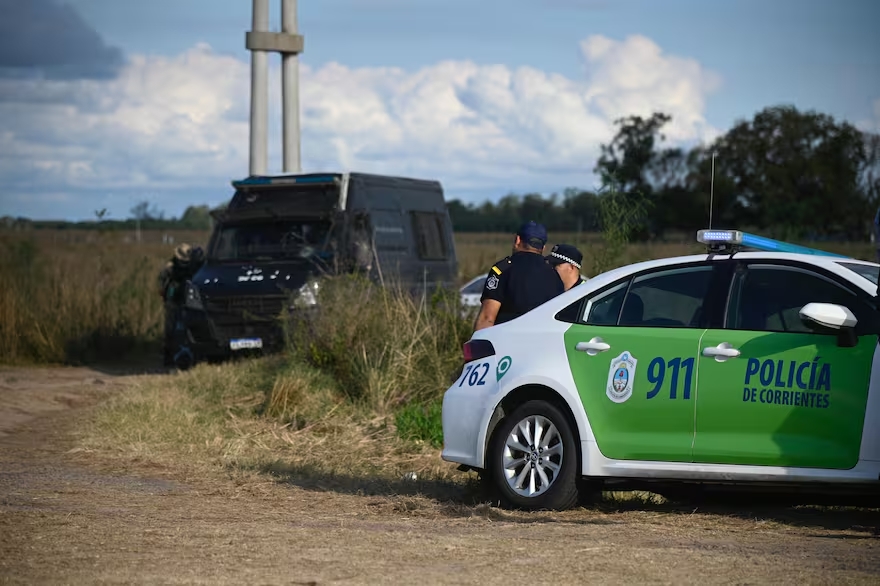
(183, 252)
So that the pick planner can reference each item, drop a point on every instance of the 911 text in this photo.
(677, 369)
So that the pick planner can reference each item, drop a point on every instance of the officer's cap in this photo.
(533, 234)
(562, 253)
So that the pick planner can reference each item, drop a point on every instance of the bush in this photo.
(386, 348)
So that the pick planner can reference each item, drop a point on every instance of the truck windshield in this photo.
(271, 240)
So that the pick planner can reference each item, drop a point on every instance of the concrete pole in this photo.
(290, 93)
(259, 134)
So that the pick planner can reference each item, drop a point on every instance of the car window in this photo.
(604, 309)
(769, 298)
(669, 299)
(869, 272)
(476, 287)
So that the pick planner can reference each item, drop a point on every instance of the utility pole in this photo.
(290, 91)
(260, 42)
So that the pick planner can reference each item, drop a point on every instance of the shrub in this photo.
(384, 346)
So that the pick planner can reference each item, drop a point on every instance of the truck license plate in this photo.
(245, 343)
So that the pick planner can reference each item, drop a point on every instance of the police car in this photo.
(755, 362)
(471, 292)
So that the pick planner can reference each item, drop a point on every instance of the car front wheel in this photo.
(533, 458)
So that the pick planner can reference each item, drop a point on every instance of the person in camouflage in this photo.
(172, 288)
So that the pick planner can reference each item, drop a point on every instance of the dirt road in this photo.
(68, 517)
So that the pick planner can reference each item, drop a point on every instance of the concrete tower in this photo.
(260, 42)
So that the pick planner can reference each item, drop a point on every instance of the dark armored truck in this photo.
(279, 233)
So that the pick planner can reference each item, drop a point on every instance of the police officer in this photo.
(520, 282)
(566, 260)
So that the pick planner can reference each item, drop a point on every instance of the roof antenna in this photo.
(712, 190)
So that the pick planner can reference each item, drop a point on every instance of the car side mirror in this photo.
(831, 318)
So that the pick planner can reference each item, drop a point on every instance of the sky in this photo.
(106, 103)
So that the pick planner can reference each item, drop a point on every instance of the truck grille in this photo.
(244, 308)
(246, 317)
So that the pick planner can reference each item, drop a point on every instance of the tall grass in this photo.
(74, 302)
(76, 296)
(385, 347)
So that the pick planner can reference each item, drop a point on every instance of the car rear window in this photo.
(869, 272)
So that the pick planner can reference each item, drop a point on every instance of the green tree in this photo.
(796, 174)
(620, 216)
(143, 212)
(196, 218)
(632, 151)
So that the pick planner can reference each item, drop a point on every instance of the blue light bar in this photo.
(734, 238)
(719, 237)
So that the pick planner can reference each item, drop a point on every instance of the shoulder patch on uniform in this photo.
(500, 266)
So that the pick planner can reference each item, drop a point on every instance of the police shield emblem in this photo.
(621, 376)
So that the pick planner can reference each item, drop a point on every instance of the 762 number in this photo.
(472, 374)
(657, 376)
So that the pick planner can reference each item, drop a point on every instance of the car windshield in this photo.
(275, 240)
(869, 272)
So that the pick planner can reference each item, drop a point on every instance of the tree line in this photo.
(784, 173)
(144, 216)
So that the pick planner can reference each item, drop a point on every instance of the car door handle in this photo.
(721, 352)
(592, 347)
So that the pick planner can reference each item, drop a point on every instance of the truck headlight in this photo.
(307, 295)
(193, 300)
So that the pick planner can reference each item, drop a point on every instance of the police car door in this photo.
(774, 392)
(633, 358)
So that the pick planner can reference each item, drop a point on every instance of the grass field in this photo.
(79, 297)
(374, 361)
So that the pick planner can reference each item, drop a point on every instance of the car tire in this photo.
(533, 479)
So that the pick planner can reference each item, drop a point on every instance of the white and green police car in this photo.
(736, 365)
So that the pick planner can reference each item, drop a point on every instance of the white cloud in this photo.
(182, 123)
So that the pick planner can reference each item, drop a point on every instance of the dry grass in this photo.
(69, 297)
(384, 347)
(259, 416)
(76, 296)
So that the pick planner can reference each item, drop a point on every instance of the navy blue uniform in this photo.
(521, 282)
